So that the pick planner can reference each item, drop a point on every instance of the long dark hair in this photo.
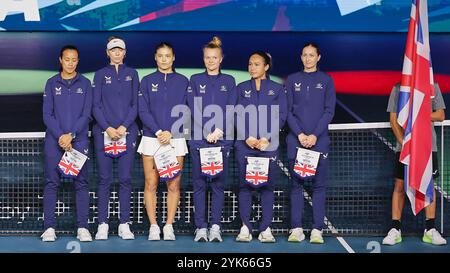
(64, 48)
(266, 56)
(164, 44)
(169, 46)
(312, 45)
(267, 60)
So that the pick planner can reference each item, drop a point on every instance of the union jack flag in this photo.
(68, 169)
(414, 108)
(256, 179)
(304, 170)
(168, 172)
(212, 168)
(115, 148)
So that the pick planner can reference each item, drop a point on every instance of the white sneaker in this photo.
(266, 236)
(201, 235)
(433, 237)
(316, 237)
(169, 235)
(102, 232)
(49, 235)
(296, 235)
(215, 234)
(244, 235)
(125, 232)
(84, 235)
(393, 237)
(154, 233)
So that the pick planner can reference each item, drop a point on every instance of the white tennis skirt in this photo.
(150, 146)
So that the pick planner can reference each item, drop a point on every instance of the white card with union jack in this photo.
(306, 163)
(257, 171)
(211, 160)
(167, 164)
(71, 163)
(116, 148)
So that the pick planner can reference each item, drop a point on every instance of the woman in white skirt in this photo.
(160, 92)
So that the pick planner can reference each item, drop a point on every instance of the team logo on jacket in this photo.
(271, 93)
(319, 86)
(247, 93)
(79, 91)
(154, 87)
(202, 88)
(128, 78)
(107, 80)
(58, 90)
(223, 88)
(297, 86)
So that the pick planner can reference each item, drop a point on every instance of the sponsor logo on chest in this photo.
(202, 88)
(128, 78)
(247, 93)
(79, 90)
(297, 86)
(271, 93)
(223, 88)
(319, 86)
(155, 87)
(58, 90)
(108, 80)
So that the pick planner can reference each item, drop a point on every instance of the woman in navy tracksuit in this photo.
(66, 112)
(115, 110)
(210, 88)
(311, 102)
(161, 92)
(258, 93)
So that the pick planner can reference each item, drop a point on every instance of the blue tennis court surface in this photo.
(185, 244)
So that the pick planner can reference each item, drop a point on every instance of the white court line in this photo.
(328, 222)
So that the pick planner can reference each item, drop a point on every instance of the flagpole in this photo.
(442, 178)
